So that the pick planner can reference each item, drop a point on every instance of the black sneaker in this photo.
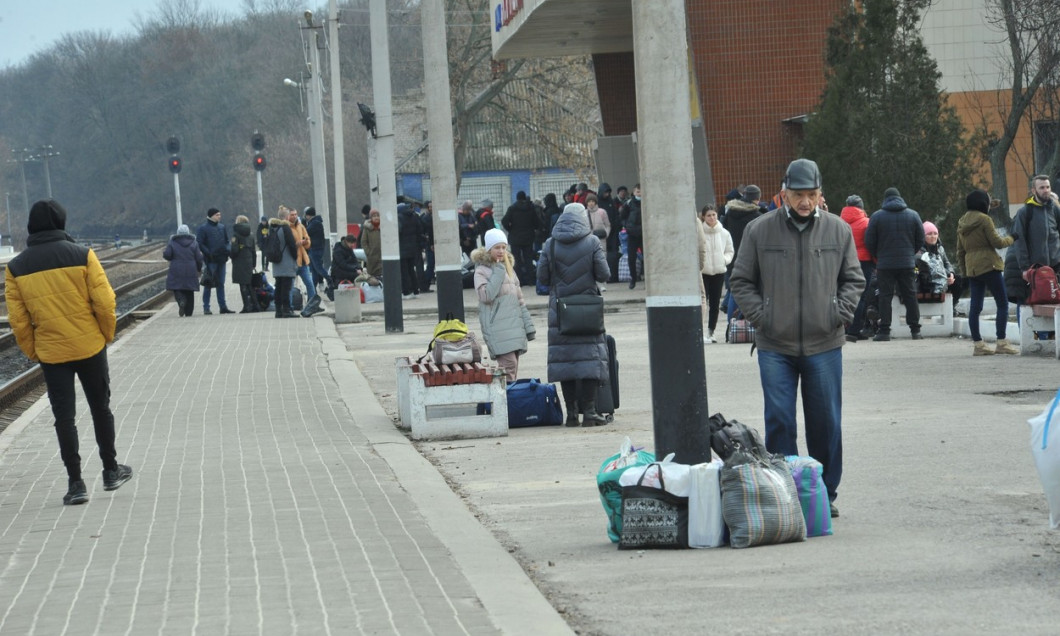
(76, 494)
(207, 312)
(917, 336)
(833, 510)
(226, 310)
(113, 479)
(882, 337)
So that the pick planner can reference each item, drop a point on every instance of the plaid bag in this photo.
(740, 331)
(760, 502)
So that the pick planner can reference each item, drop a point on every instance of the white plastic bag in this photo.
(675, 477)
(1045, 446)
(706, 525)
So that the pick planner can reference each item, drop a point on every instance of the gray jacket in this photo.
(799, 289)
(288, 267)
(503, 316)
(581, 263)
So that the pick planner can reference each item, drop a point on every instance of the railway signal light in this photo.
(259, 162)
(174, 164)
(173, 145)
(257, 141)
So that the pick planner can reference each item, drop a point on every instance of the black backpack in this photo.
(729, 436)
(274, 245)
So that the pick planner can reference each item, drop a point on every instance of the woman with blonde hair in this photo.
(503, 316)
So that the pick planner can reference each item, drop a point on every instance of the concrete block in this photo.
(453, 411)
(1039, 318)
(936, 319)
(348, 305)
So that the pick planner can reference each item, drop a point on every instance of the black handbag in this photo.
(580, 314)
(207, 279)
(652, 517)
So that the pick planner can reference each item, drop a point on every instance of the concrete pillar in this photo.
(443, 170)
(315, 90)
(671, 248)
(384, 163)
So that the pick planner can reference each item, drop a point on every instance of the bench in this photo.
(936, 314)
(451, 401)
(1035, 318)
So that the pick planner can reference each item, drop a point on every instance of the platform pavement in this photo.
(271, 495)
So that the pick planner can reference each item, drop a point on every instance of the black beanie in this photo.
(310, 211)
(45, 215)
(891, 192)
(211, 212)
(978, 200)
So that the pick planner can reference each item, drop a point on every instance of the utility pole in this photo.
(21, 157)
(314, 89)
(7, 200)
(384, 162)
(443, 168)
(44, 154)
(175, 166)
(675, 316)
(342, 216)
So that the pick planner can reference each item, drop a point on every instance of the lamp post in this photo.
(342, 220)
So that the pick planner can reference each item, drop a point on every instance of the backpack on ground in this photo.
(274, 246)
(730, 436)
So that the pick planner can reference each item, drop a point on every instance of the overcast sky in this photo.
(29, 26)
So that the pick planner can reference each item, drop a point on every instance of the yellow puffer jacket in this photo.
(59, 301)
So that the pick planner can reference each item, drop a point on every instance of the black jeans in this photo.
(712, 285)
(904, 281)
(612, 262)
(410, 283)
(94, 375)
(634, 243)
(524, 264)
(282, 294)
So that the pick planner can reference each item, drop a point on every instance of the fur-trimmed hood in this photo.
(481, 256)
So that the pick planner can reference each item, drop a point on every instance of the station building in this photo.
(756, 73)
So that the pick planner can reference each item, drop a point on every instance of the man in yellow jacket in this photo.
(61, 309)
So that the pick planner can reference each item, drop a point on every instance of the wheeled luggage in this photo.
(607, 393)
(533, 403)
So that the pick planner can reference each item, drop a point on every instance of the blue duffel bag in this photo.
(533, 403)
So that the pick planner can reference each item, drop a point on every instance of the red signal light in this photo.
(174, 164)
(259, 162)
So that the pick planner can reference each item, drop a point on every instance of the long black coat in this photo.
(244, 255)
(580, 264)
(185, 263)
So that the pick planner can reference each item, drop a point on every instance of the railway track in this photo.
(22, 381)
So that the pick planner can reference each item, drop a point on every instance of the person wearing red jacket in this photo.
(854, 214)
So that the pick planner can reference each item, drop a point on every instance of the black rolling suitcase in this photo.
(607, 394)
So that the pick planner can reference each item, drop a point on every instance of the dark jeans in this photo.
(713, 284)
(524, 264)
(633, 243)
(821, 377)
(867, 268)
(282, 294)
(316, 267)
(409, 282)
(185, 297)
(428, 269)
(264, 261)
(250, 303)
(995, 282)
(904, 281)
(218, 270)
(94, 375)
(612, 262)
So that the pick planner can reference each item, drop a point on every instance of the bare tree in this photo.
(1030, 27)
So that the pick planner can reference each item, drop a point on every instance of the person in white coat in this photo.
(715, 254)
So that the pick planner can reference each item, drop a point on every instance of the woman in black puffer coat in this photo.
(244, 258)
(578, 363)
(185, 263)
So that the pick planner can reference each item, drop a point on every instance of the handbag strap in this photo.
(658, 468)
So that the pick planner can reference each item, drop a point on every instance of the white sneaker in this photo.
(406, 296)
(709, 338)
(603, 288)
